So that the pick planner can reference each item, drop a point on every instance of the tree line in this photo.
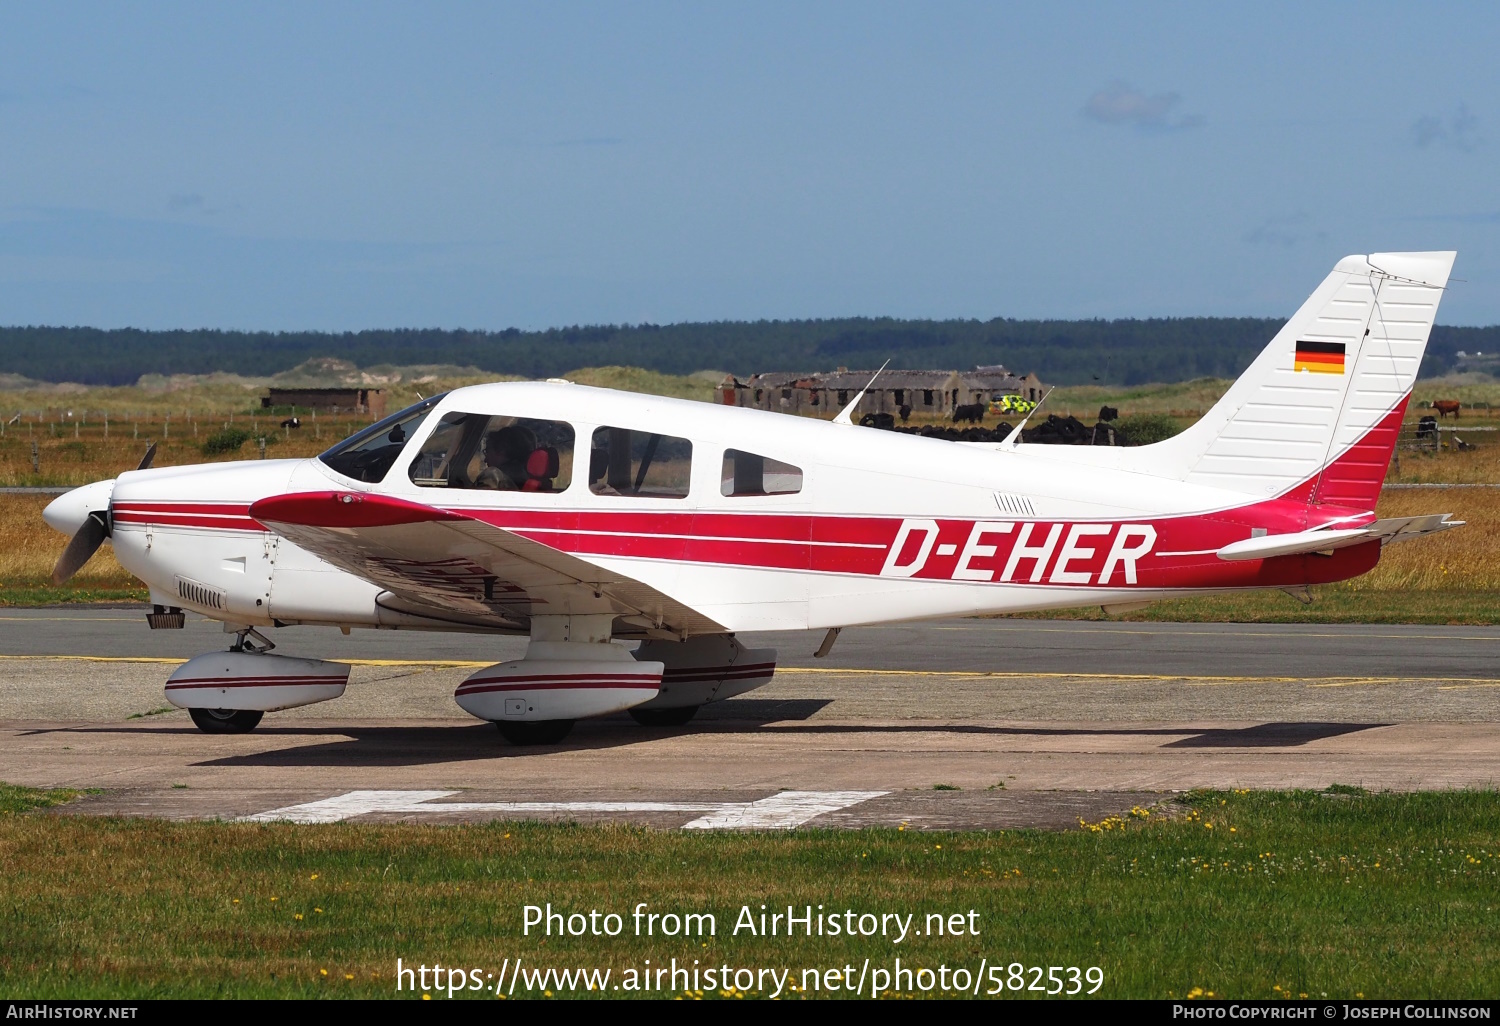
(1113, 352)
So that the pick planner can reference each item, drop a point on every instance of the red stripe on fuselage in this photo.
(1181, 556)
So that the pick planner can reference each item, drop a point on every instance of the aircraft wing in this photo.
(1392, 529)
(436, 560)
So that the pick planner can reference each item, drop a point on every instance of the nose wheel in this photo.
(226, 721)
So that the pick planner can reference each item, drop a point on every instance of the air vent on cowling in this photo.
(200, 594)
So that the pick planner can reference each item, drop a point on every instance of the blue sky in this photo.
(338, 166)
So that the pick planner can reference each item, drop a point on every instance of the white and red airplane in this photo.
(586, 517)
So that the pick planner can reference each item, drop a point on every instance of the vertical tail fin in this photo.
(1317, 414)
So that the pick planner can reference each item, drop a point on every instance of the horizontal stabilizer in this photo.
(1270, 545)
(1396, 529)
(1386, 531)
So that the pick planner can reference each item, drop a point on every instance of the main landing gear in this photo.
(664, 717)
(226, 721)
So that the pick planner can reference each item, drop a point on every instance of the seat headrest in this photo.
(542, 463)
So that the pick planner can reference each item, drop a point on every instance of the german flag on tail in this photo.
(1319, 357)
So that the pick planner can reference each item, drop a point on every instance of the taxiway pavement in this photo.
(1031, 722)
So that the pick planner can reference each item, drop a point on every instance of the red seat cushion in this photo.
(542, 463)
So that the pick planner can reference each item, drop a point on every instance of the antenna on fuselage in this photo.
(846, 415)
(1014, 438)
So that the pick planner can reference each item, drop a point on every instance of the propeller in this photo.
(83, 545)
(87, 539)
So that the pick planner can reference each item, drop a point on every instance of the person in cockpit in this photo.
(505, 454)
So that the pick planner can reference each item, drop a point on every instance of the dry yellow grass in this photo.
(29, 548)
(74, 453)
(1465, 558)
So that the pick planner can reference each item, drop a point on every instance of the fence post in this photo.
(262, 442)
(36, 458)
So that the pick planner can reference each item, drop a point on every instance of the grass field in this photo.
(1246, 895)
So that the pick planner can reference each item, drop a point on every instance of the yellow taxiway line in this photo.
(452, 664)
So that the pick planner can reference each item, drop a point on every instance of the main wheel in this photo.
(226, 721)
(664, 717)
(534, 732)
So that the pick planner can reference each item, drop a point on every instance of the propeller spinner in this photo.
(82, 506)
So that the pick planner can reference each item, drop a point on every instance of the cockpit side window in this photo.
(369, 455)
(639, 463)
(499, 453)
(745, 473)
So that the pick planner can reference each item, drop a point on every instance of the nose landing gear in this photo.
(229, 692)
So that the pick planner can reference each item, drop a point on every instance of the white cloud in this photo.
(1459, 130)
(1120, 103)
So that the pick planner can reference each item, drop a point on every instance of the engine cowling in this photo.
(255, 681)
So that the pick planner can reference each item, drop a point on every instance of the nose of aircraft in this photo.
(67, 512)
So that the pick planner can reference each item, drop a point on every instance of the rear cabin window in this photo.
(627, 462)
(496, 453)
(745, 473)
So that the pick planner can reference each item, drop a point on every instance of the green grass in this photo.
(23, 596)
(1340, 893)
(15, 799)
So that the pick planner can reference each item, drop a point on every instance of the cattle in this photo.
(1427, 428)
(972, 412)
(884, 421)
(949, 434)
(291, 422)
(1108, 413)
(1445, 407)
(1057, 430)
(905, 412)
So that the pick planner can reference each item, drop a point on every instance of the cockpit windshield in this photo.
(369, 455)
